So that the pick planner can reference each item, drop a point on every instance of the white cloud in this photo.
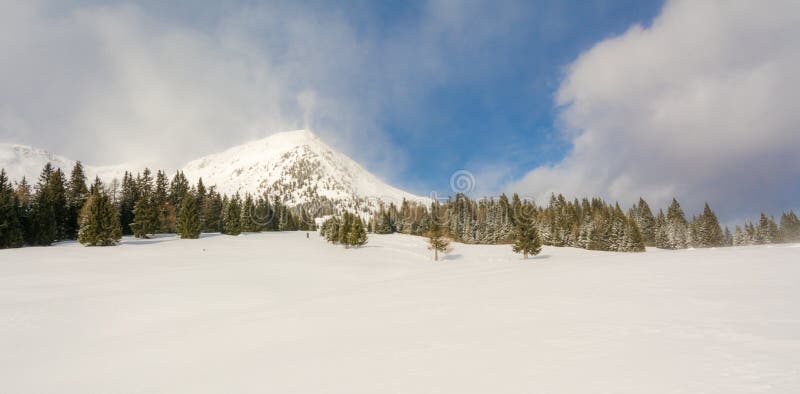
(701, 105)
(114, 81)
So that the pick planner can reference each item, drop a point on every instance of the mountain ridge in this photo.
(296, 167)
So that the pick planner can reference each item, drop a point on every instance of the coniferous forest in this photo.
(60, 207)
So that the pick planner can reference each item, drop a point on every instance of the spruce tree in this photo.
(43, 224)
(677, 229)
(127, 201)
(708, 232)
(77, 193)
(645, 220)
(728, 237)
(526, 239)
(437, 242)
(189, 225)
(767, 230)
(789, 227)
(145, 211)
(166, 211)
(357, 234)
(24, 196)
(212, 212)
(99, 222)
(232, 216)
(178, 189)
(11, 231)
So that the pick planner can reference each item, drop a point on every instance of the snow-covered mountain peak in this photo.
(296, 167)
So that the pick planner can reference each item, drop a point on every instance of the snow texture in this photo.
(279, 313)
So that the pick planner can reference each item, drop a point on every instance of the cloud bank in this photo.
(701, 105)
(111, 81)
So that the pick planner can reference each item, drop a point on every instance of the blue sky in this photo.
(498, 106)
(617, 99)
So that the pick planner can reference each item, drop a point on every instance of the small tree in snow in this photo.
(526, 239)
(437, 242)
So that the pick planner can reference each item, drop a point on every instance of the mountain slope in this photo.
(26, 161)
(295, 167)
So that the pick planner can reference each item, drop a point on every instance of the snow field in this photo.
(276, 312)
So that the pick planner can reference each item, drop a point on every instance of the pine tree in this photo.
(43, 224)
(526, 239)
(789, 227)
(645, 220)
(99, 223)
(767, 230)
(437, 242)
(77, 193)
(212, 212)
(708, 232)
(11, 231)
(634, 241)
(178, 189)
(232, 216)
(247, 220)
(127, 201)
(189, 225)
(662, 242)
(357, 234)
(739, 237)
(145, 211)
(677, 230)
(24, 197)
(166, 211)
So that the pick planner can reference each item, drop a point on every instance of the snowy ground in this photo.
(279, 313)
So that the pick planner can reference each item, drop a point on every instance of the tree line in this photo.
(587, 223)
(60, 208)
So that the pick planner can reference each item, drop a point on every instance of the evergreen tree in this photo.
(24, 196)
(129, 195)
(43, 223)
(189, 225)
(677, 230)
(767, 230)
(167, 220)
(76, 197)
(437, 242)
(739, 237)
(212, 212)
(790, 227)
(645, 220)
(357, 234)
(145, 211)
(728, 237)
(178, 189)
(708, 232)
(526, 239)
(11, 231)
(232, 216)
(99, 223)
(247, 220)
(634, 242)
